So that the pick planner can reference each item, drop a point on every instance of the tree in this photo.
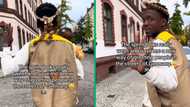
(88, 28)
(79, 32)
(63, 17)
(176, 21)
(84, 30)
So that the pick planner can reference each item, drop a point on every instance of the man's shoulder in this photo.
(55, 37)
(165, 36)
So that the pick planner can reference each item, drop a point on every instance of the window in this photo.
(124, 28)
(21, 9)
(137, 35)
(26, 16)
(108, 24)
(16, 4)
(29, 18)
(3, 3)
(132, 30)
(33, 22)
(30, 36)
(138, 27)
(23, 35)
(2, 32)
(27, 37)
(19, 38)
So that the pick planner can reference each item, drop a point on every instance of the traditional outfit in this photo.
(168, 85)
(59, 51)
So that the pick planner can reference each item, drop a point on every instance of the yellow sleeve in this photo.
(78, 52)
(165, 36)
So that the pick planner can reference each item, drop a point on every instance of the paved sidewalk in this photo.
(123, 89)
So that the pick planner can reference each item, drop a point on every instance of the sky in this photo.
(171, 8)
(78, 7)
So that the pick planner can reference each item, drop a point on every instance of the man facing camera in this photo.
(167, 72)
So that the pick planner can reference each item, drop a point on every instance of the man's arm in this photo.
(163, 77)
(9, 64)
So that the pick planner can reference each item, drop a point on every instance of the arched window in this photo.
(124, 26)
(132, 29)
(108, 24)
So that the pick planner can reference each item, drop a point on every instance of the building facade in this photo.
(18, 19)
(151, 1)
(117, 21)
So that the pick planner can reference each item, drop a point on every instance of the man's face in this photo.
(152, 22)
(68, 34)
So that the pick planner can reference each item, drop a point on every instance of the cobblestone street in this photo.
(10, 97)
(123, 89)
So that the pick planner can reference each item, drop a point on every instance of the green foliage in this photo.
(183, 40)
(88, 28)
(79, 32)
(84, 30)
(176, 21)
(63, 17)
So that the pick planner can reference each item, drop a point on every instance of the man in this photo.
(168, 79)
(49, 49)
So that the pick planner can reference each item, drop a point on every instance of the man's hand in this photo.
(140, 67)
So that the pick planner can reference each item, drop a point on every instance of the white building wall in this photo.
(101, 49)
(16, 22)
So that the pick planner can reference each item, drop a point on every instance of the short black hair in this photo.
(159, 8)
(46, 9)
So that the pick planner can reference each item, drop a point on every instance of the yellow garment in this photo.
(165, 36)
(178, 97)
(78, 52)
(55, 37)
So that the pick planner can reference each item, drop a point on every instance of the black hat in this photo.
(47, 10)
